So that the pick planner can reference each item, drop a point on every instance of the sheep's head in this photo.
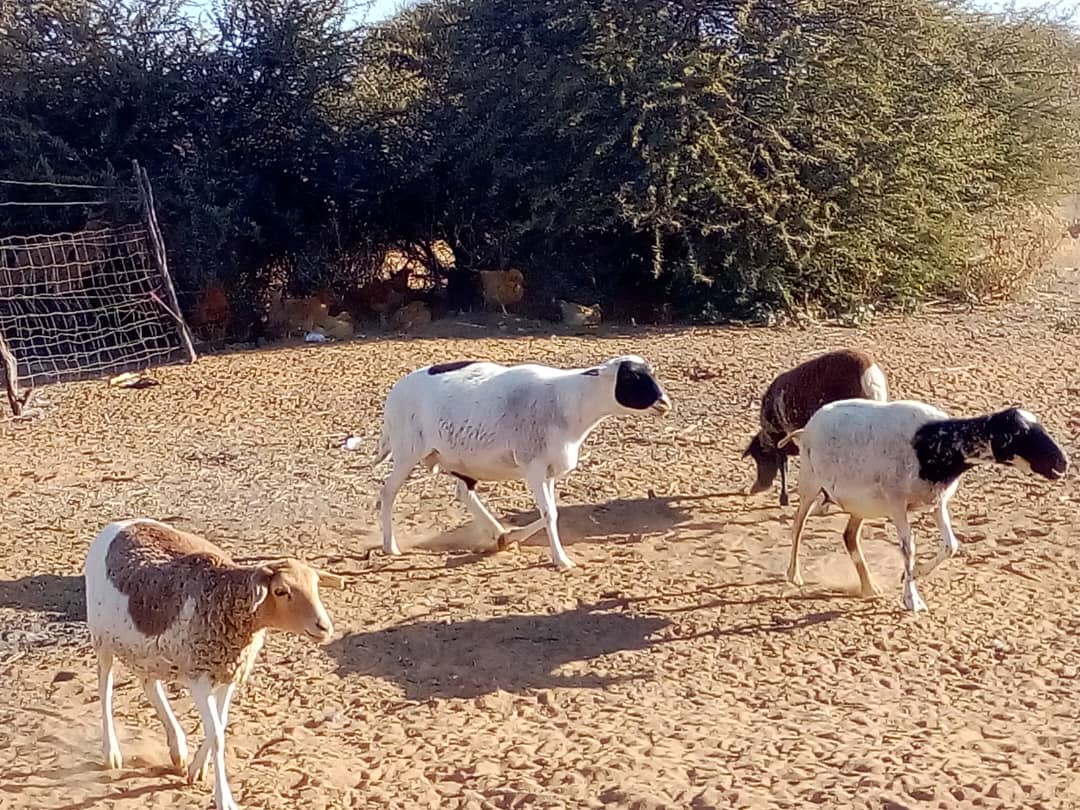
(288, 598)
(1017, 438)
(767, 461)
(636, 388)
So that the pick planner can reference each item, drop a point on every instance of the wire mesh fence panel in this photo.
(86, 305)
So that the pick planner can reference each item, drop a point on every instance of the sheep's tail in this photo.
(382, 452)
(873, 383)
(794, 436)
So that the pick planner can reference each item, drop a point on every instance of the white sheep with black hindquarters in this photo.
(174, 607)
(883, 459)
(481, 421)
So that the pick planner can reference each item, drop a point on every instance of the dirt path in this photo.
(674, 668)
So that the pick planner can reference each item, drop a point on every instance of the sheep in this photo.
(338, 327)
(413, 314)
(380, 295)
(173, 606)
(503, 287)
(578, 314)
(793, 397)
(883, 459)
(287, 315)
(481, 421)
(213, 312)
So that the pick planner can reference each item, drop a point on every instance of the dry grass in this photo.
(1011, 251)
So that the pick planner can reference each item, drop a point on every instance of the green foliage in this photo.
(732, 156)
(783, 152)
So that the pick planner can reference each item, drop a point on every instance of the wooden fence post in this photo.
(9, 368)
(157, 254)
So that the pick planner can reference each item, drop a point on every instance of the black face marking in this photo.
(1012, 436)
(470, 483)
(453, 365)
(591, 372)
(635, 387)
(947, 449)
(1006, 430)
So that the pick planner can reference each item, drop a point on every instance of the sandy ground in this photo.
(674, 668)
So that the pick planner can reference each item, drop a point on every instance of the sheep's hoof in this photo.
(784, 500)
(912, 600)
(565, 564)
(927, 567)
(870, 590)
(113, 760)
(392, 550)
(196, 771)
(794, 576)
(504, 543)
(179, 760)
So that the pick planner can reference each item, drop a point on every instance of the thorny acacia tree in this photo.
(726, 154)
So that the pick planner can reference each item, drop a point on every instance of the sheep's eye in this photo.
(281, 592)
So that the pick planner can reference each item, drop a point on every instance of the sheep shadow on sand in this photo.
(511, 653)
(626, 519)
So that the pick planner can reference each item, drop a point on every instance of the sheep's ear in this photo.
(609, 368)
(260, 587)
(328, 580)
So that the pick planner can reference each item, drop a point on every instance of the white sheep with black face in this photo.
(173, 607)
(481, 421)
(883, 459)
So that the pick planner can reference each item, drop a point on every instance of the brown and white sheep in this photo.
(173, 606)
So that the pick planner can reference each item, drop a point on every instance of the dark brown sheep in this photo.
(794, 396)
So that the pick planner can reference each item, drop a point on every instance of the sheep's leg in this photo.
(466, 492)
(784, 500)
(805, 504)
(113, 759)
(912, 600)
(399, 473)
(543, 490)
(223, 695)
(203, 695)
(523, 533)
(175, 735)
(867, 586)
(949, 544)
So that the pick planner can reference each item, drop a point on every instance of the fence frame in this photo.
(19, 400)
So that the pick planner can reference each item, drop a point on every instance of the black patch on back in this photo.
(591, 372)
(453, 365)
(470, 483)
(635, 387)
